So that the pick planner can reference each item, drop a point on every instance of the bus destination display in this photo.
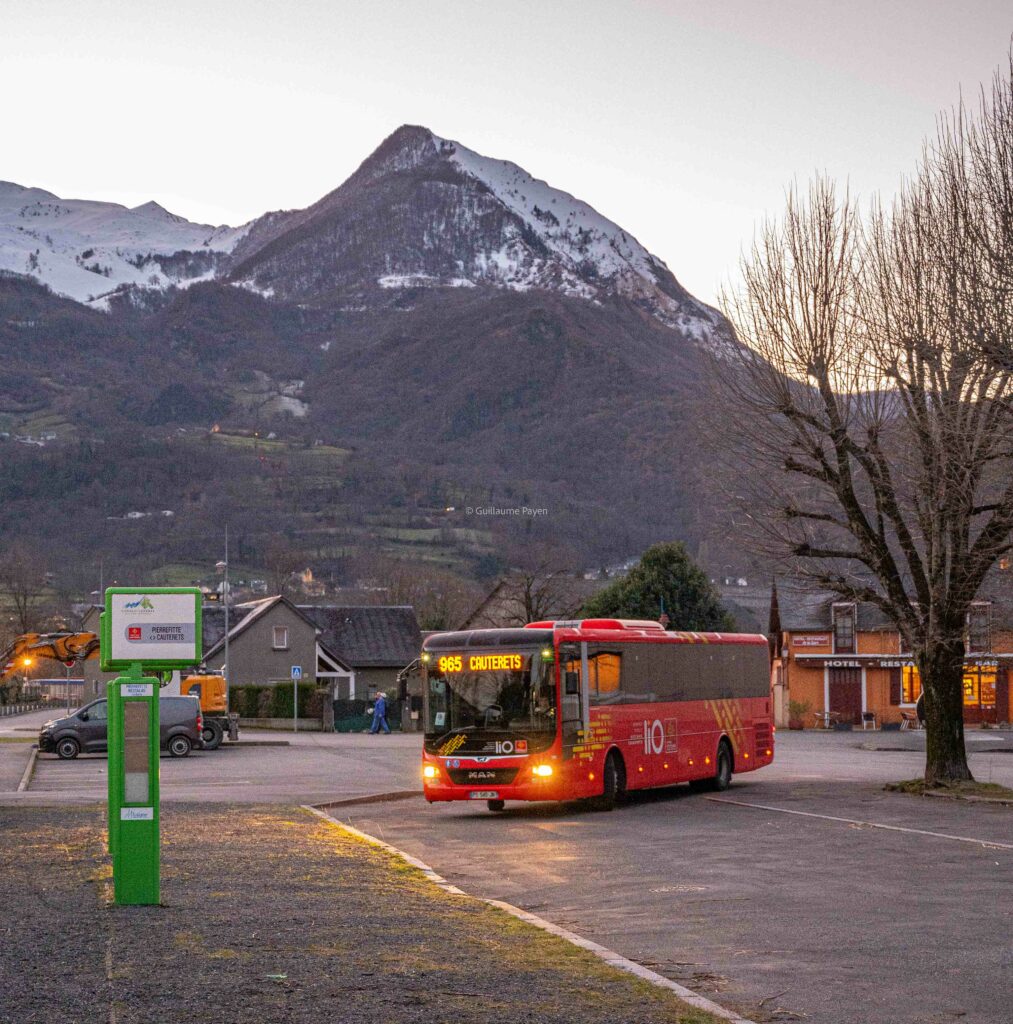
(449, 663)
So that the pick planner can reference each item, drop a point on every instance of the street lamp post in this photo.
(223, 568)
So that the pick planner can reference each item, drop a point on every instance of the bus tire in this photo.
(613, 782)
(495, 805)
(723, 773)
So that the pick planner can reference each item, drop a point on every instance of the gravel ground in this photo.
(272, 915)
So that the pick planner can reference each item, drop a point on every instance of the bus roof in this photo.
(548, 631)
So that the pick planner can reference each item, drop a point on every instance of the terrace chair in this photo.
(868, 718)
(909, 720)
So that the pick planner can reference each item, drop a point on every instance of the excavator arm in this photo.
(65, 647)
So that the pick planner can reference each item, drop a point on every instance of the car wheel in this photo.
(179, 746)
(212, 735)
(613, 784)
(68, 748)
(495, 805)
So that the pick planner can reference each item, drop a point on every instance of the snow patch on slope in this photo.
(86, 250)
(588, 253)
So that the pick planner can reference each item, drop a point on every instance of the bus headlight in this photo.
(429, 771)
(542, 770)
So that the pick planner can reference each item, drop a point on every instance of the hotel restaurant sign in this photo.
(883, 661)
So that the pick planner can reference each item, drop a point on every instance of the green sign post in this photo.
(141, 631)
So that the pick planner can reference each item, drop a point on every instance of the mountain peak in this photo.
(402, 150)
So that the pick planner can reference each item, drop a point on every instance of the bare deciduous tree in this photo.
(543, 585)
(22, 588)
(875, 398)
(441, 598)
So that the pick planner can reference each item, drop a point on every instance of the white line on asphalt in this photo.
(989, 844)
(29, 768)
(608, 955)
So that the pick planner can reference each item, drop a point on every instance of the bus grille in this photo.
(482, 776)
(762, 734)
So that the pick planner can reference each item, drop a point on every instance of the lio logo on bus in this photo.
(654, 737)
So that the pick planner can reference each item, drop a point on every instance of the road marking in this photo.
(29, 768)
(608, 955)
(987, 843)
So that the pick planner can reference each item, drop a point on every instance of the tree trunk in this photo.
(941, 667)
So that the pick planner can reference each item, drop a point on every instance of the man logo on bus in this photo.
(654, 737)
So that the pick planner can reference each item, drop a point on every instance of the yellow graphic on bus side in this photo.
(726, 713)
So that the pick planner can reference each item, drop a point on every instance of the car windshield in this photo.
(491, 692)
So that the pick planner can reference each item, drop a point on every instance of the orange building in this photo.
(847, 663)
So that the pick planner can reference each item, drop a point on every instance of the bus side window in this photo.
(605, 670)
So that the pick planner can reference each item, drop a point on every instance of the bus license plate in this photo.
(483, 794)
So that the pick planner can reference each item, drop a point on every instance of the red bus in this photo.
(590, 709)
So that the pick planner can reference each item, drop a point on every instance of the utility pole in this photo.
(223, 568)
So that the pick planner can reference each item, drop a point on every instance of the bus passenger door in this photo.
(573, 695)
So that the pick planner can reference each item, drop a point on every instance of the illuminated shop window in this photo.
(911, 685)
(979, 686)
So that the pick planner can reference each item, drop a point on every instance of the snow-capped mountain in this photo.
(424, 211)
(85, 250)
(421, 212)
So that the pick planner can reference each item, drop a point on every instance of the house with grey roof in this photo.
(359, 650)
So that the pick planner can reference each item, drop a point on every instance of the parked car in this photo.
(180, 727)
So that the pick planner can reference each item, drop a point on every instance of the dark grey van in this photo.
(85, 730)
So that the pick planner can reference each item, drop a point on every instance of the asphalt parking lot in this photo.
(806, 892)
(772, 912)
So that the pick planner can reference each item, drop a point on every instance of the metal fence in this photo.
(6, 710)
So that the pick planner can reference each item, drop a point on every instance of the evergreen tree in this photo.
(665, 579)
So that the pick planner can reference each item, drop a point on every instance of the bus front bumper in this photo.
(526, 786)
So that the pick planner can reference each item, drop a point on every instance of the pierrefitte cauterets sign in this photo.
(156, 626)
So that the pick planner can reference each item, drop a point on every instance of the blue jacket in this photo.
(380, 708)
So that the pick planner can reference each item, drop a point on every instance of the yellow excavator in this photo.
(70, 648)
(74, 648)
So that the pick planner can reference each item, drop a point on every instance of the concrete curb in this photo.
(237, 744)
(971, 798)
(609, 956)
(29, 770)
(372, 798)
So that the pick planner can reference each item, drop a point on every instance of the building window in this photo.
(911, 685)
(280, 638)
(844, 628)
(979, 640)
(979, 686)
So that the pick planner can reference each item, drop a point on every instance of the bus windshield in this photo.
(506, 693)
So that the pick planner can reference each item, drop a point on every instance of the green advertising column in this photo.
(133, 788)
(151, 630)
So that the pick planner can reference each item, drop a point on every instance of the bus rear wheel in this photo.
(723, 775)
(613, 784)
(495, 805)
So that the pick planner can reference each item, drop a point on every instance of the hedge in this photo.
(275, 701)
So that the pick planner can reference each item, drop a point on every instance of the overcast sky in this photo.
(681, 120)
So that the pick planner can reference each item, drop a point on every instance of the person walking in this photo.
(380, 714)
